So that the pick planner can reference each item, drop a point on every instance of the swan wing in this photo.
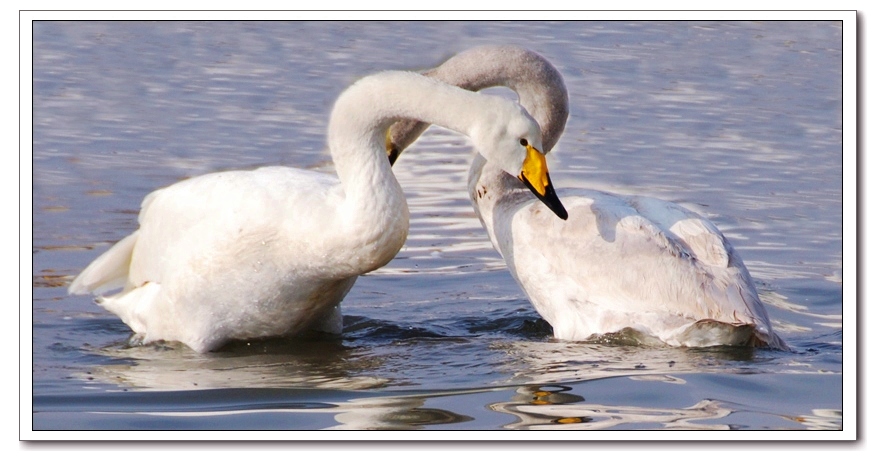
(696, 234)
(732, 291)
(233, 214)
(614, 255)
(610, 267)
(177, 220)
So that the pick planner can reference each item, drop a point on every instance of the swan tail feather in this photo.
(742, 309)
(108, 272)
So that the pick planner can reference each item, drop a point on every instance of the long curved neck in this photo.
(363, 114)
(538, 84)
(374, 212)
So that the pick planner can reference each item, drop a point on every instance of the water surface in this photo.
(740, 121)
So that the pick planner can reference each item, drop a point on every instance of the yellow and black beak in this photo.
(535, 176)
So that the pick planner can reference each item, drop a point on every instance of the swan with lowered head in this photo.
(619, 263)
(272, 252)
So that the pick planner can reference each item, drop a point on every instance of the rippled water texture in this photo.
(740, 121)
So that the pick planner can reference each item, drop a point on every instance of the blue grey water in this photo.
(740, 121)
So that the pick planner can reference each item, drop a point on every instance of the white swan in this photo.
(619, 263)
(273, 251)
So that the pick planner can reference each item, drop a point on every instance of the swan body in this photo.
(619, 263)
(272, 252)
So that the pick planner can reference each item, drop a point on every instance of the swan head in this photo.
(510, 139)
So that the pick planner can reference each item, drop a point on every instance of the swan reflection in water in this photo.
(315, 384)
(325, 364)
(552, 407)
(535, 407)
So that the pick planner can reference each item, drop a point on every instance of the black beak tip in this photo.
(561, 212)
(555, 205)
(549, 198)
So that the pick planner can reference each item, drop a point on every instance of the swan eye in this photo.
(523, 142)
